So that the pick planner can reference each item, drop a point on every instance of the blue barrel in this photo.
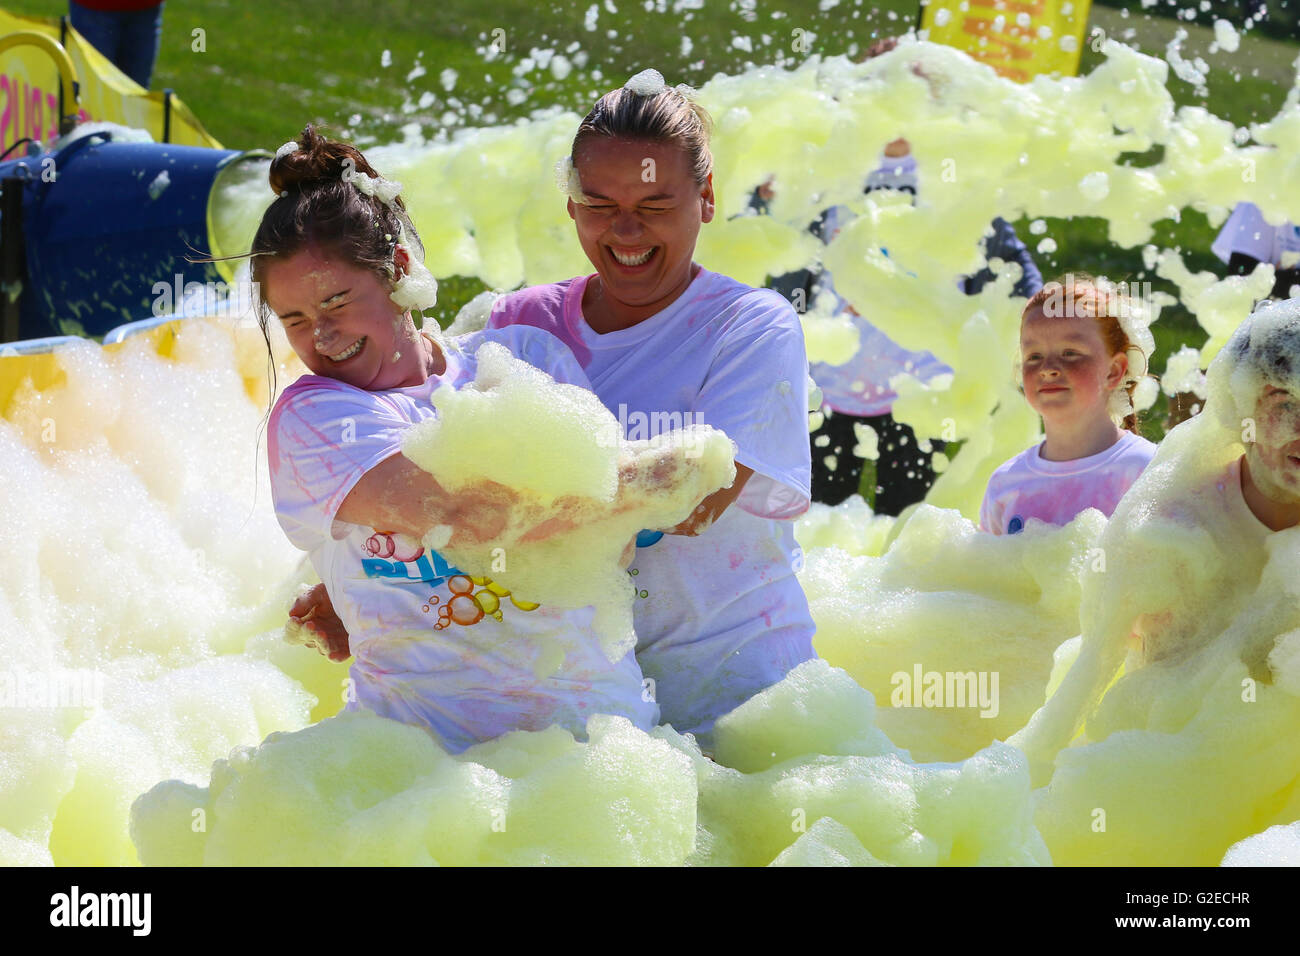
(108, 228)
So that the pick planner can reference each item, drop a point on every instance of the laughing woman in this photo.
(721, 614)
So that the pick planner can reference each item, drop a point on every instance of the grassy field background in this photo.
(269, 67)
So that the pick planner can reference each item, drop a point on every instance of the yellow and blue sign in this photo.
(1018, 38)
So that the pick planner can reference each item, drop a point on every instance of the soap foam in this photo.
(160, 564)
(563, 454)
(1210, 691)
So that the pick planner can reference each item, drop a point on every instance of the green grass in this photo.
(270, 67)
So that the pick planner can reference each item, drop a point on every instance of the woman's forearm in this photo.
(398, 496)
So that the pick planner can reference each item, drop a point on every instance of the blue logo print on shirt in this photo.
(645, 539)
(430, 567)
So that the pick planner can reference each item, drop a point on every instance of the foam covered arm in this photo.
(398, 495)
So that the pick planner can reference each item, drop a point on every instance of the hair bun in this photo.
(316, 160)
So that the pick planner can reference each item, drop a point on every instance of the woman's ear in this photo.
(1118, 370)
(706, 200)
(401, 262)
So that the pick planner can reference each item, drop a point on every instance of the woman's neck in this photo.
(1067, 441)
(1273, 514)
(605, 314)
(435, 362)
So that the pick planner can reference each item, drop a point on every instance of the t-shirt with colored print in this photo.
(1029, 486)
(720, 616)
(432, 646)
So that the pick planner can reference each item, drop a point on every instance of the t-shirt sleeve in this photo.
(987, 520)
(321, 441)
(990, 510)
(756, 391)
(503, 312)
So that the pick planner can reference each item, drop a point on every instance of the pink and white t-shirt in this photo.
(1030, 486)
(720, 616)
(432, 646)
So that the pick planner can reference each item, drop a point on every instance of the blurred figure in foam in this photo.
(858, 391)
(1248, 239)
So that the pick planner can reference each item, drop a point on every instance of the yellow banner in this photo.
(29, 91)
(1018, 38)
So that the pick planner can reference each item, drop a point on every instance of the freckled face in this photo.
(1066, 367)
(641, 219)
(1275, 454)
(341, 322)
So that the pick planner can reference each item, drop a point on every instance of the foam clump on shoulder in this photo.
(473, 315)
(573, 476)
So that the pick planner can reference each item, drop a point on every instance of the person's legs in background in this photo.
(102, 29)
(138, 48)
(130, 39)
(835, 438)
(904, 473)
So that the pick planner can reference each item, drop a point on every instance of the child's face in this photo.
(1275, 454)
(647, 212)
(340, 320)
(1067, 370)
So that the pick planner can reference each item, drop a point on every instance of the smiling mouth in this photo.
(632, 261)
(349, 352)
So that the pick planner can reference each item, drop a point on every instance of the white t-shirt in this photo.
(720, 616)
(1247, 231)
(1030, 486)
(432, 646)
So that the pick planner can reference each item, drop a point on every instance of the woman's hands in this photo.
(711, 508)
(314, 613)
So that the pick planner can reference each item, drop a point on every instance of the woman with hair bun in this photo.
(338, 261)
